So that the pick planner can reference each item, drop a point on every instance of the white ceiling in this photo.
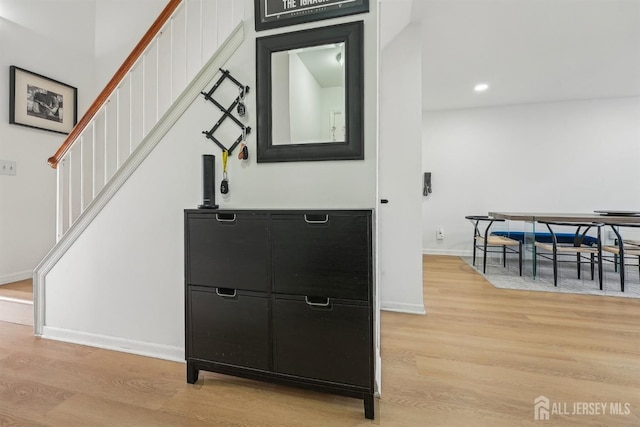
(322, 62)
(528, 51)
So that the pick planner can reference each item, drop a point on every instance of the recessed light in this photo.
(481, 87)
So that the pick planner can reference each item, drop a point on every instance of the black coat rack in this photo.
(236, 105)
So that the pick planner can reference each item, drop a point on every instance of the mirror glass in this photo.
(308, 95)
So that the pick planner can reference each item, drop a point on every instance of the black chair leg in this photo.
(621, 275)
(484, 258)
(600, 268)
(555, 268)
(504, 256)
(475, 245)
(592, 264)
(520, 257)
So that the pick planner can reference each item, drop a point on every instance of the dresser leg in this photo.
(368, 406)
(192, 373)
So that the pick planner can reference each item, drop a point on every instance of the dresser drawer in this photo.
(229, 250)
(331, 343)
(322, 254)
(229, 327)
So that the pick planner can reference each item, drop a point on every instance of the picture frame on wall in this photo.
(279, 13)
(39, 102)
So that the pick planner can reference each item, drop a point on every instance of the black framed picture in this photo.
(279, 13)
(40, 102)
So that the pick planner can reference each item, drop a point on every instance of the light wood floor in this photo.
(478, 358)
(22, 290)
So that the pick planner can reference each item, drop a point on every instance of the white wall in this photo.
(122, 284)
(280, 98)
(285, 185)
(90, 41)
(574, 156)
(27, 200)
(400, 174)
(331, 101)
(304, 102)
(395, 16)
(119, 26)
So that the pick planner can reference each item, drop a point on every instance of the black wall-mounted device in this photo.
(426, 190)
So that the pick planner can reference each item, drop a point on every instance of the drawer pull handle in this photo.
(226, 292)
(316, 221)
(225, 217)
(317, 304)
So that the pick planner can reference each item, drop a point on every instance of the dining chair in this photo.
(554, 250)
(622, 250)
(483, 240)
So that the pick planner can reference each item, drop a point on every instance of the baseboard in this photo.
(16, 311)
(449, 252)
(141, 348)
(16, 277)
(401, 307)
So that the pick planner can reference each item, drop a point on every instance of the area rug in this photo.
(568, 282)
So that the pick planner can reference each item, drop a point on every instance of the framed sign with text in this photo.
(279, 13)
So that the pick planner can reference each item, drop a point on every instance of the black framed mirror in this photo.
(310, 95)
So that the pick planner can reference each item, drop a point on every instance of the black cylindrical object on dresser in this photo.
(208, 182)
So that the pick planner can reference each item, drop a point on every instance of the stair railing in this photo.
(170, 54)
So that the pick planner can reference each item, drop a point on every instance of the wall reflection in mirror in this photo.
(308, 95)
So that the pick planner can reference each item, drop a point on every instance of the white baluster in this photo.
(187, 41)
(117, 140)
(75, 181)
(130, 145)
(144, 93)
(62, 183)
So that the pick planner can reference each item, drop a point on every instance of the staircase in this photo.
(179, 55)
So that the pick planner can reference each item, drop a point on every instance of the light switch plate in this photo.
(7, 167)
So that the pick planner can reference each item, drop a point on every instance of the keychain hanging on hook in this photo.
(224, 185)
(242, 108)
(243, 154)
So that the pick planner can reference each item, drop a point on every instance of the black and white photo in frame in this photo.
(40, 102)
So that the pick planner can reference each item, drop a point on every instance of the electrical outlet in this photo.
(439, 233)
(7, 167)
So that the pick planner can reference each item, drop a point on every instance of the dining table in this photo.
(611, 218)
(606, 217)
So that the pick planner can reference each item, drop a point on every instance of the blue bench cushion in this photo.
(546, 237)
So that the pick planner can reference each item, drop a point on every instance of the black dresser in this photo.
(283, 296)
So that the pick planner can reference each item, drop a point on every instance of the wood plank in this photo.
(479, 357)
(123, 386)
(83, 410)
(19, 396)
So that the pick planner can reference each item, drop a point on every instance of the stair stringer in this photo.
(175, 111)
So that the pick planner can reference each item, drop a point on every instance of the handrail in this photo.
(115, 80)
